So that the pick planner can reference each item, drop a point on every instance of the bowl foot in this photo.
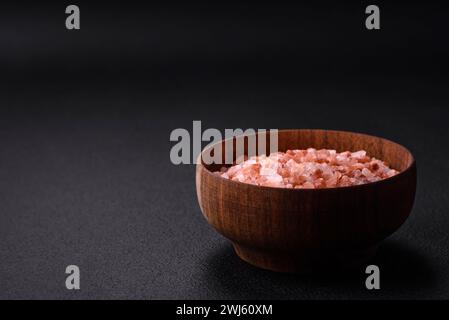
(305, 262)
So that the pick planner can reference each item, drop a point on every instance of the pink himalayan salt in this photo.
(309, 169)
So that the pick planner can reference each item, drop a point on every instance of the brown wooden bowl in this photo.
(301, 230)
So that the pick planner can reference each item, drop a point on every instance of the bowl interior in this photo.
(396, 156)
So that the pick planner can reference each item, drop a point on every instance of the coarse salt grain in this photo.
(309, 169)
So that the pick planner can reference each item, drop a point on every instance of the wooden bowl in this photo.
(301, 230)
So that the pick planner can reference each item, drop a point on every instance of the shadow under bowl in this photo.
(302, 230)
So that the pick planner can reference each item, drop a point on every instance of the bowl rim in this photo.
(360, 186)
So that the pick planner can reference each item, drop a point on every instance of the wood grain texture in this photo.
(301, 230)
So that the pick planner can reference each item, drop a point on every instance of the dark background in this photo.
(85, 119)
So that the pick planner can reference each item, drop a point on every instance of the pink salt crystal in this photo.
(309, 169)
(391, 172)
(366, 172)
(308, 185)
(359, 154)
